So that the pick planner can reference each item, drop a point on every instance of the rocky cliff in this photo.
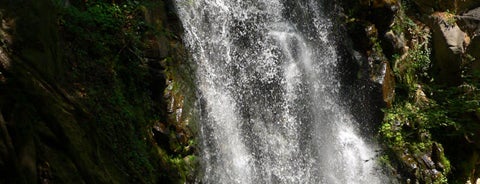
(94, 92)
(424, 54)
(102, 91)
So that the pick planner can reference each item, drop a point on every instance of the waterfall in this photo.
(269, 95)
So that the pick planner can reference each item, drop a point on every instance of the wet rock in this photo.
(428, 162)
(388, 85)
(380, 70)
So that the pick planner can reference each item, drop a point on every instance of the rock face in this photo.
(433, 49)
(371, 71)
(84, 94)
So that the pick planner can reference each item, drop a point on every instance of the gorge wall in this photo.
(94, 92)
(424, 56)
(103, 91)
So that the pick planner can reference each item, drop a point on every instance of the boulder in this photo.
(448, 49)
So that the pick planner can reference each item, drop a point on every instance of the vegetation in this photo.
(83, 100)
(106, 52)
(93, 98)
(430, 130)
(426, 114)
(407, 126)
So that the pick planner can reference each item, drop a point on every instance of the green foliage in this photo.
(407, 131)
(460, 104)
(377, 48)
(104, 44)
(411, 68)
(416, 63)
(403, 23)
(450, 17)
(104, 49)
(426, 113)
(406, 121)
(101, 27)
(409, 126)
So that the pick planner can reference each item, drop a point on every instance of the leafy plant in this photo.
(450, 17)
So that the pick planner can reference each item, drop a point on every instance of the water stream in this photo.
(269, 94)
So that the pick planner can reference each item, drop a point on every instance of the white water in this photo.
(270, 113)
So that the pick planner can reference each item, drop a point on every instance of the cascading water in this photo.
(269, 95)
